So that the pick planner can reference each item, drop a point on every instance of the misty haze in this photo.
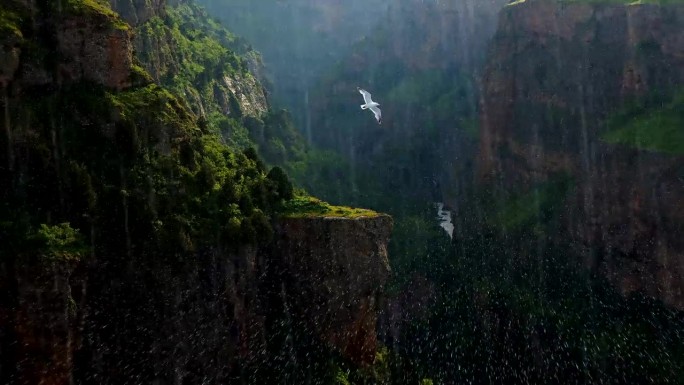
(190, 192)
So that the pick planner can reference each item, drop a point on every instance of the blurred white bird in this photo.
(370, 104)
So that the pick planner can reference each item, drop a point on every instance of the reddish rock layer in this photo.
(555, 73)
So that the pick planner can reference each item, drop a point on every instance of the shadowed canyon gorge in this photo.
(190, 193)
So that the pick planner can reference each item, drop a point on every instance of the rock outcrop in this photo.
(215, 77)
(90, 43)
(42, 305)
(204, 320)
(333, 271)
(98, 51)
(41, 315)
(562, 79)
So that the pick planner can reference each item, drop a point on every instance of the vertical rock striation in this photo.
(566, 89)
(96, 51)
(41, 318)
(334, 271)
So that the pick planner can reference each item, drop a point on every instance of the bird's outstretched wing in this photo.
(366, 95)
(377, 113)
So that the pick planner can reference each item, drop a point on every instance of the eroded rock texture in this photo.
(556, 74)
(334, 271)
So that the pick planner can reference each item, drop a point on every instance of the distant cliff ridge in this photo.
(299, 39)
(592, 91)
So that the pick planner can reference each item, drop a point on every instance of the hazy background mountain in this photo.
(299, 40)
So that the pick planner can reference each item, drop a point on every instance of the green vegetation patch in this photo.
(9, 22)
(60, 242)
(139, 75)
(533, 206)
(96, 7)
(191, 55)
(200, 49)
(471, 127)
(203, 190)
(659, 129)
(151, 102)
(419, 87)
(304, 206)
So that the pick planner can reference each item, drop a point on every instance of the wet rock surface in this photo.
(334, 271)
(556, 73)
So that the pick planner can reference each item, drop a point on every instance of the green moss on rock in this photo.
(97, 8)
(304, 206)
(659, 129)
(9, 22)
(153, 103)
(139, 76)
(534, 206)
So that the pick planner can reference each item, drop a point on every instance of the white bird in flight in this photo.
(370, 104)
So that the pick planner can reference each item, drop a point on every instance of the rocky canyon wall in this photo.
(591, 91)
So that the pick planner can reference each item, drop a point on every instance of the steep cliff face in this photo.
(201, 60)
(42, 303)
(9, 57)
(99, 50)
(41, 320)
(279, 311)
(333, 271)
(256, 314)
(135, 242)
(219, 76)
(589, 90)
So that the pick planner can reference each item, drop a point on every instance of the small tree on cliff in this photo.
(280, 184)
(251, 153)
